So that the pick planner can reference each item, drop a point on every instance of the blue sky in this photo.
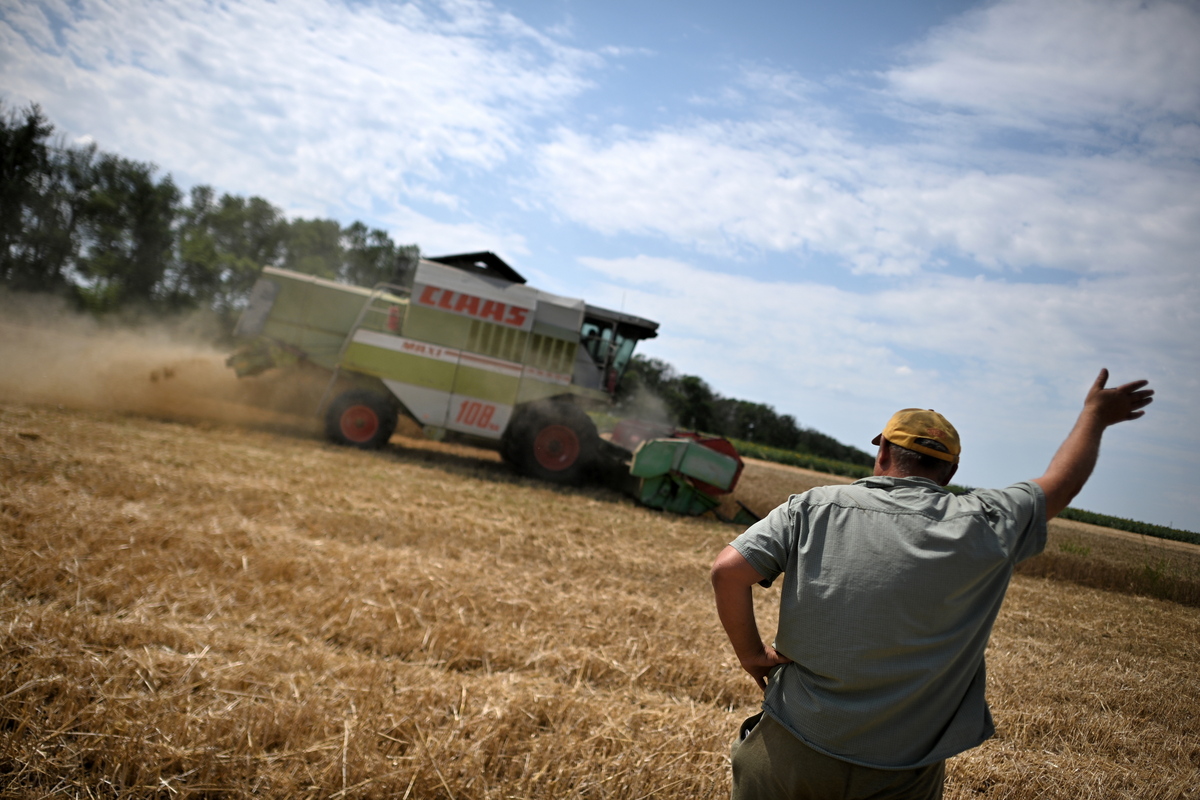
(838, 209)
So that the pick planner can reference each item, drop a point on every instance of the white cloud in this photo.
(322, 100)
(799, 177)
(994, 333)
(437, 237)
(720, 187)
(788, 187)
(1025, 63)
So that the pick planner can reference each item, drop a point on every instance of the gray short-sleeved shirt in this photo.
(890, 589)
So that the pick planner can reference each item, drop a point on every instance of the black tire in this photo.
(361, 418)
(552, 440)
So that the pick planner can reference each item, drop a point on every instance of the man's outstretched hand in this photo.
(1073, 463)
(1118, 404)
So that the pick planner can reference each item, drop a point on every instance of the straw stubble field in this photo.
(205, 610)
(194, 609)
(215, 609)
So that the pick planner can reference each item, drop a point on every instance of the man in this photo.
(891, 585)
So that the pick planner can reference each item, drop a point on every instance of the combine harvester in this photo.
(467, 348)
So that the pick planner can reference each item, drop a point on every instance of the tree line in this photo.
(691, 403)
(110, 233)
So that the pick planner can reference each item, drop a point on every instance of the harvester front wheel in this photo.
(362, 419)
(553, 441)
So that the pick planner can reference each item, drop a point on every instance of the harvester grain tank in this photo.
(467, 347)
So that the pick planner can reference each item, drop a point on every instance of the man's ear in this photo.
(883, 459)
(950, 476)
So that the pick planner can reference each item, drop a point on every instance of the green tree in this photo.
(369, 256)
(222, 246)
(314, 246)
(109, 232)
(24, 167)
(195, 279)
(645, 374)
(693, 402)
(127, 226)
(42, 189)
(690, 402)
(757, 422)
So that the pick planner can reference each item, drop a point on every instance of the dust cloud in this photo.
(169, 369)
(50, 354)
(645, 405)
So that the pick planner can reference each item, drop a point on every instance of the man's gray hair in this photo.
(911, 462)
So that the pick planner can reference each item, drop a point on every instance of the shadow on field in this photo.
(460, 459)
(466, 460)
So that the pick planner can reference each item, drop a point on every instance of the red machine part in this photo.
(359, 423)
(629, 433)
(721, 445)
(556, 447)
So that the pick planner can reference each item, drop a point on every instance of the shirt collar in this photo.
(888, 482)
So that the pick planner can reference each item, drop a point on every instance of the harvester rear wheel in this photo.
(361, 418)
(551, 440)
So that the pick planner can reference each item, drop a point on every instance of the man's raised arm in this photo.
(1072, 465)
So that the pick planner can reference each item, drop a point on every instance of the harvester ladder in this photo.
(376, 293)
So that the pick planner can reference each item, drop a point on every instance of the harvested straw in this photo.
(219, 612)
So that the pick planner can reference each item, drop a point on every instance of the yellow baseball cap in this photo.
(910, 424)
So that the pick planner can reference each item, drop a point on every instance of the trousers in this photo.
(770, 763)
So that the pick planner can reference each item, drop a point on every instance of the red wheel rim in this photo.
(556, 447)
(359, 423)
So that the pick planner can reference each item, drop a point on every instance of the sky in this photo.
(838, 209)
